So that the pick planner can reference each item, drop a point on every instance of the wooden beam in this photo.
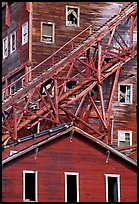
(78, 119)
(8, 17)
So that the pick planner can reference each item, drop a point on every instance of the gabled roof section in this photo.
(71, 129)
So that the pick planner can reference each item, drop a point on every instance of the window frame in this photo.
(36, 185)
(125, 131)
(118, 183)
(11, 89)
(5, 55)
(53, 32)
(78, 21)
(131, 94)
(25, 24)
(11, 41)
(77, 183)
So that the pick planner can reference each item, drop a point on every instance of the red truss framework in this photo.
(71, 88)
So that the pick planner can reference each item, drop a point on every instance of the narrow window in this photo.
(24, 33)
(124, 138)
(3, 95)
(72, 16)
(125, 93)
(5, 47)
(71, 187)
(112, 188)
(12, 152)
(12, 89)
(29, 185)
(23, 82)
(12, 42)
(47, 32)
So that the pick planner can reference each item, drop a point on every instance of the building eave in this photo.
(69, 129)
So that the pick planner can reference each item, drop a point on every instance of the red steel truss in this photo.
(76, 88)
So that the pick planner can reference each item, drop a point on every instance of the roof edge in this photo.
(80, 131)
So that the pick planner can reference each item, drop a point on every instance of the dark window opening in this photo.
(112, 189)
(71, 188)
(125, 93)
(13, 41)
(72, 16)
(70, 84)
(12, 89)
(30, 186)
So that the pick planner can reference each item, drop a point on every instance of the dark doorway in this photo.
(30, 186)
(71, 188)
(112, 189)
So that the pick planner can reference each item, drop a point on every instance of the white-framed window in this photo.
(72, 16)
(30, 186)
(71, 187)
(23, 81)
(12, 89)
(3, 95)
(12, 42)
(47, 32)
(112, 187)
(5, 47)
(124, 138)
(24, 33)
(125, 93)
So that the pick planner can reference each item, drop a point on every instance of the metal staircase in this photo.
(75, 87)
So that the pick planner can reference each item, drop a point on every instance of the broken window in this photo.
(125, 93)
(71, 187)
(12, 42)
(24, 33)
(47, 32)
(72, 16)
(124, 138)
(112, 188)
(5, 47)
(30, 185)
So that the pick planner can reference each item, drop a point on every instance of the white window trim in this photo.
(118, 182)
(125, 131)
(3, 95)
(11, 89)
(26, 23)
(23, 81)
(77, 176)
(53, 32)
(131, 93)
(78, 22)
(5, 54)
(13, 33)
(36, 184)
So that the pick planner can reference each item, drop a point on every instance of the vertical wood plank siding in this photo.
(61, 156)
(19, 16)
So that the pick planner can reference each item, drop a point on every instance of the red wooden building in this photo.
(73, 63)
(69, 165)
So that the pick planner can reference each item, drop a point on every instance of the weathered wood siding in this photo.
(125, 115)
(61, 156)
(18, 16)
(55, 12)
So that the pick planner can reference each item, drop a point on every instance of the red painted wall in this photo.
(61, 156)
